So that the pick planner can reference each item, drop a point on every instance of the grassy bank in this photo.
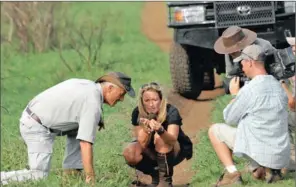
(24, 76)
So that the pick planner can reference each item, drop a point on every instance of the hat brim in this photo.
(114, 80)
(250, 37)
(291, 40)
(238, 59)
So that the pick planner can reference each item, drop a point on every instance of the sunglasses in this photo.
(151, 84)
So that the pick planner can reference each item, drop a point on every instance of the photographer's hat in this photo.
(119, 79)
(234, 39)
(252, 52)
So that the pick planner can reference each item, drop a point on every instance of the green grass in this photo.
(24, 76)
(206, 164)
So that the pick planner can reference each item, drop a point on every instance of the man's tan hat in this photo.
(234, 39)
(119, 79)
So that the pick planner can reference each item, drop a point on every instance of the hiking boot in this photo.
(165, 180)
(154, 179)
(166, 169)
(259, 173)
(229, 178)
(137, 183)
(273, 175)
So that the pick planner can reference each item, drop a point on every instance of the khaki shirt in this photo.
(72, 104)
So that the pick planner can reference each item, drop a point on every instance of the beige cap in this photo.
(252, 52)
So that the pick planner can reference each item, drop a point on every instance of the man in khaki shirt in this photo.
(72, 108)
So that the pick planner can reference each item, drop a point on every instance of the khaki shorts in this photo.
(224, 133)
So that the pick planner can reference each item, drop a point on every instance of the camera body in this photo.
(280, 64)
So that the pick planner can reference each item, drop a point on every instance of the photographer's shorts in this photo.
(226, 134)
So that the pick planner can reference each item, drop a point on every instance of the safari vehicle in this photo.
(198, 24)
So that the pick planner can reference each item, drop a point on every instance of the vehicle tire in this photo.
(209, 78)
(187, 74)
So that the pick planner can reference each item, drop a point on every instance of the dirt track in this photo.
(195, 114)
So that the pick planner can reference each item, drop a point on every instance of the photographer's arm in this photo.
(238, 105)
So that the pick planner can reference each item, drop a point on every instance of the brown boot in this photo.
(154, 179)
(166, 169)
(259, 173)
(229, 178)
(273, 175)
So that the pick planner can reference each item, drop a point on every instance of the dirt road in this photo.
(196, 115)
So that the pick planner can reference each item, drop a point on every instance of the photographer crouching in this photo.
(233, 45)
(259, 111)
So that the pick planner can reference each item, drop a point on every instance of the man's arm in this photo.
(88, 126)
(87, 160)
(238, 105)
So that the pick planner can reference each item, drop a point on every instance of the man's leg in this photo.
(39, 143)
(72, 163)
(222, 138)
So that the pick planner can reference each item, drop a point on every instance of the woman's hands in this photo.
(145, 123)
(150, 125)
(154, 125)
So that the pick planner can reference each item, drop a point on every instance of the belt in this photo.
(58, 132)
(34, 116)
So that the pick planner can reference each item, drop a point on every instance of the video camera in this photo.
(280, 64)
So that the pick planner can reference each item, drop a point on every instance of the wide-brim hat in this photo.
(234, 39)
(291, 40)
(119, 79)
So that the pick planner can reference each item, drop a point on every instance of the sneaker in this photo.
(229, 178)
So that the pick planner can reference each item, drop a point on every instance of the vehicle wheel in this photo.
(187, 74)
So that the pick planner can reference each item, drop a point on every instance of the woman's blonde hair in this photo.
(162, 113)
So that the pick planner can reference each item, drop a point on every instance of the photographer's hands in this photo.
(234, 86)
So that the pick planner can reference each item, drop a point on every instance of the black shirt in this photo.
(173, 118)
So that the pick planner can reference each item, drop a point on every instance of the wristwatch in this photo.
(160, 131)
